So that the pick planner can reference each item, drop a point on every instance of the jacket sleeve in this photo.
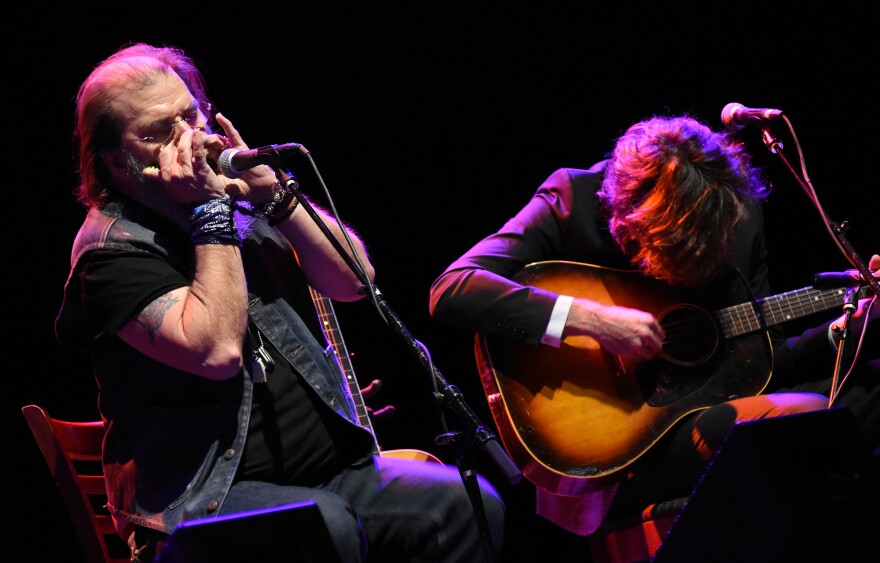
(476, 291)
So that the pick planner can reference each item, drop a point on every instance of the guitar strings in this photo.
(746, 318)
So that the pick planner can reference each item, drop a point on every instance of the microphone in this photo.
(736, 116)
(831, 280)
(234, 162)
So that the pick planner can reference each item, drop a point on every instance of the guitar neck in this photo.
(333, 334)
(777, 309)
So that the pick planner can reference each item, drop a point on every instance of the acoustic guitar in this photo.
(574, 417)
(333, 335)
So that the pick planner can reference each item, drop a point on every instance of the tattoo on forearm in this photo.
(152, 315)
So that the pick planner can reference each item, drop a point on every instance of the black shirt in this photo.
(293, 437)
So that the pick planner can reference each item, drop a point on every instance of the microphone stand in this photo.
(837, 231)
(448, 395)
(850, 299)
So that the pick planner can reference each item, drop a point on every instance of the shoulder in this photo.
(569, 184)
(95, 230)
(130, 228)
(576, 179)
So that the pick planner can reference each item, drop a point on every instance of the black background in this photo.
(430, 125)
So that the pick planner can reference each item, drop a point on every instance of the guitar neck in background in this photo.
(333, 335)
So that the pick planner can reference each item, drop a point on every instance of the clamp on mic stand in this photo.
(447, 394)
(849, 308)
(837, 232)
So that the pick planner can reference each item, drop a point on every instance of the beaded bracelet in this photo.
(291, 207)
(211, 222)
(281, 198)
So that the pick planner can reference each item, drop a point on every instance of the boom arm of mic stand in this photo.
(451, 396)
(836, 230)
(866, 273)
(837, 234)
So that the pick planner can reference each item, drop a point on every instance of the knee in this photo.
(777, 404)
(495, 510)
(780, 404)
(345, 531)
(712, 425)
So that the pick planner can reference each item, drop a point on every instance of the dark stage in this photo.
(430, 126)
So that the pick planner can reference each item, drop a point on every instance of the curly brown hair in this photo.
(675, 191)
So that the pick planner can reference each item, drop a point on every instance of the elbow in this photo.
(354, 291)
(222, 363)
(437, 302)
(435, 306)
(443, 311)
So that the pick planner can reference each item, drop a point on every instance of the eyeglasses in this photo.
(163, 132)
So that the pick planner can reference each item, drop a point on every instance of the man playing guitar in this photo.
(625, 322)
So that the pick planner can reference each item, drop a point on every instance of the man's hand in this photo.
(621, 331)
(184, 169)
(256, 184)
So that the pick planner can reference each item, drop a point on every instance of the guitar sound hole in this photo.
(691, 335)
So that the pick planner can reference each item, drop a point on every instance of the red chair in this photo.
(72, 451)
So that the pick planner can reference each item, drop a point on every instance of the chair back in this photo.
(72, 451)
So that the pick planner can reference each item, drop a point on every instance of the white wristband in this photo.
(553, 334)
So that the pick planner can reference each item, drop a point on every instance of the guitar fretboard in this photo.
(333, 335)
(746, 317)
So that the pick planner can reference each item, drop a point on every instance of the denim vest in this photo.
(174, 440)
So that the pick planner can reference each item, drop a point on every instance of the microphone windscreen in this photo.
(225, 163)
(728, 115)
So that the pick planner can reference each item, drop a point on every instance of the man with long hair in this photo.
(217, 396)
(678, 204)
